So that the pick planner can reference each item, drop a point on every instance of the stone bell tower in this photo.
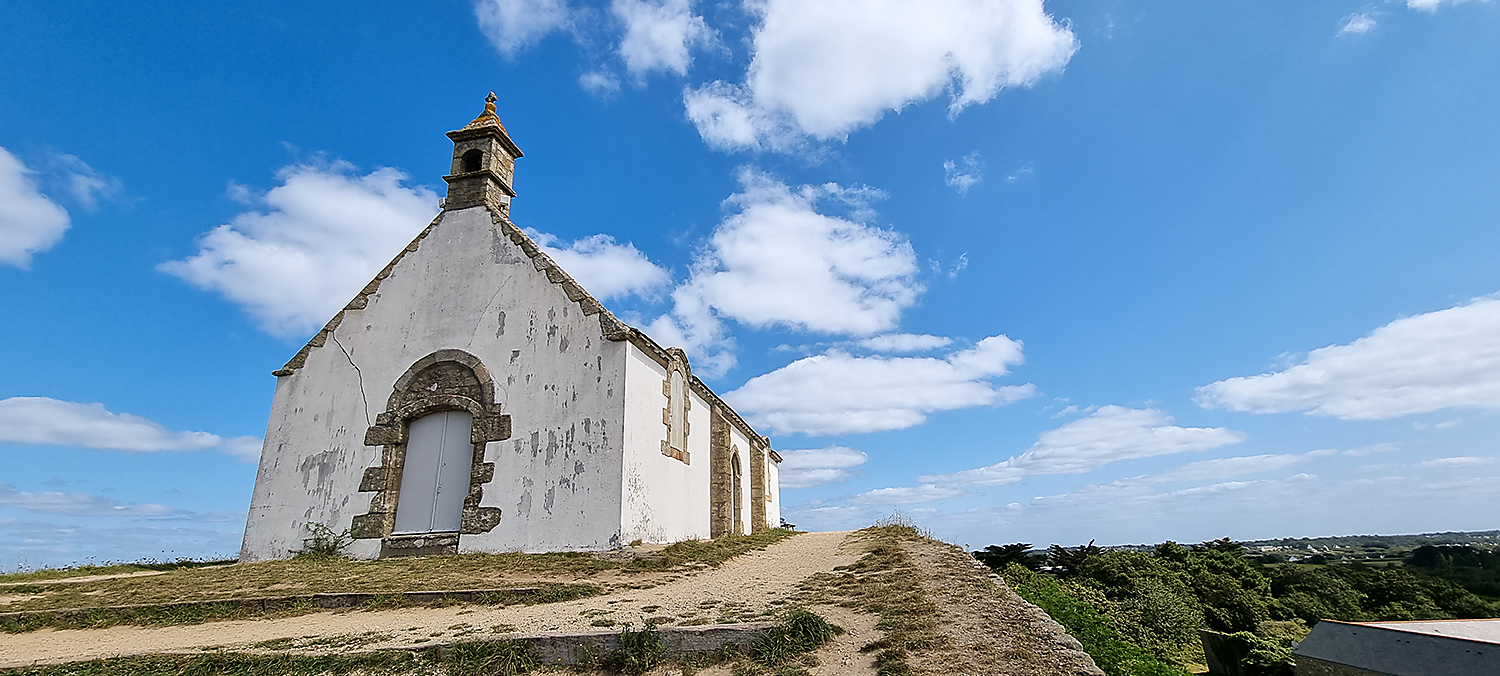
(484, 163)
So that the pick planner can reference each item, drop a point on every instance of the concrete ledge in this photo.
(275, 603)
(571, 647)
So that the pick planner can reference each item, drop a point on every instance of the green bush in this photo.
(1099, 636)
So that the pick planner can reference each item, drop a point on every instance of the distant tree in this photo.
(998, 556)
(1068, 561)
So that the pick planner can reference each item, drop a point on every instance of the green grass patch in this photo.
(1100, 639)
(710, 552)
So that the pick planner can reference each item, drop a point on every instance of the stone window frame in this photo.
(677, 363)
(390, 432)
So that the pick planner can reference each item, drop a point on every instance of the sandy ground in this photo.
(85, 578)
(742, 589)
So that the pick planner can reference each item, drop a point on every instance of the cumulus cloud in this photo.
(42, 420)
(80, 504)
(906, 495)
(904, 342)
(823, 69)
(1109, 434)
(659, 35)
(1444, 359)
(780, 260)
(606, 268)
(512, 25)
(319, 238)
(961, 179)
(29, 222)
(1357, 24)
(837, 393)
(813, 466)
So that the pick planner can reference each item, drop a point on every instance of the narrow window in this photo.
(677, 405)
(473, 160)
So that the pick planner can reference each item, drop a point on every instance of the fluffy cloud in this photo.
(79, 504)
(965, 178)
(836, 393)
(1357, 24)
(1219, 469)
(512, 25)
(325, 232)
(659, 35)
(780, 261)
(1109, 434)
(606, 268)
(823, 69)
(29, 222)
(905, 342)
(1444, 359)
(814, 466)
(40, 420)
(599, 83)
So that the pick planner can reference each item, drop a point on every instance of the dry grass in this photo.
(301, 576)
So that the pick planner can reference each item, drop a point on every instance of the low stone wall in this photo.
(567, 648)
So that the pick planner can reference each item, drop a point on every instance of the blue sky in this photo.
(1026, 272)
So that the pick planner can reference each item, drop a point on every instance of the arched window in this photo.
(735, 490)
(473, 160)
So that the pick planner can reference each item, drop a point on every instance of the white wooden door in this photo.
(435, 476)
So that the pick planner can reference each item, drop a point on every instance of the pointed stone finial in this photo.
(489, 103)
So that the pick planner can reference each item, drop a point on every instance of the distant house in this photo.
(474, 398)
(1418, 648)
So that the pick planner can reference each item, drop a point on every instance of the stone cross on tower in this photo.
(484, 163)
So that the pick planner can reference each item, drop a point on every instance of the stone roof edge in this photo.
(359, 302)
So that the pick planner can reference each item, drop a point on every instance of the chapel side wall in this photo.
(664, 499)
(773, 494)
(741, 444)
(468, 287)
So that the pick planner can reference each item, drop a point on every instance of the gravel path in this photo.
(742, 589)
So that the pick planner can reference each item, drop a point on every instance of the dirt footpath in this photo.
(749, 587)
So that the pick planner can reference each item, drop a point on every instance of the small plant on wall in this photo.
(323, 542)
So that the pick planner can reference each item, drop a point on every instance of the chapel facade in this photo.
(473, 397)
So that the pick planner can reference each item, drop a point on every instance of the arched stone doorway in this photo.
(428, 486)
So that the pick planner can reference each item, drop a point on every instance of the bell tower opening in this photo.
(473, 161)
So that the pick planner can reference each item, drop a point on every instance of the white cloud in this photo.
(41, 420)
(811, 467)
(1433, 5)
(836, 393)
(906, 495)
(606, 268)
(1229, 468)
(1110, 434)
(1357, 24)
(826, 68)
(84, 183)
(325, 232)
(780, 261)
(512, 25)
(80, 504)
(29, 222)
(905, 342)
(1444, 359)
(1456, 462)
(599, 83)
(659, 35)
(965, 179)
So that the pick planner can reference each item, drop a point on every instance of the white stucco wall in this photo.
(773, 493)
(664, 499)
(557, 479)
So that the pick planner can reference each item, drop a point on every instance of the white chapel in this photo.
(474, 398)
